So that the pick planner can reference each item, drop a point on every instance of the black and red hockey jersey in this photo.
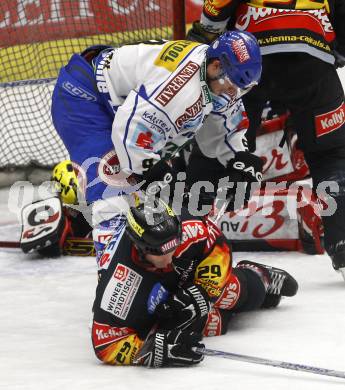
(130, 289)
(315, 27)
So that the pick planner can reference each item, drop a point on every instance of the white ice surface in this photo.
(45, 311)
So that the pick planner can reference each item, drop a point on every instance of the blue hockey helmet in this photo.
(239, 56)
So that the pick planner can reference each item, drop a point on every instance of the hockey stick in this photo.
(217, 213)
(221, 212)
(273, 363)
(9, 244)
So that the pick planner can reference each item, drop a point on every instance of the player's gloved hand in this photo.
(199, 34)
(186, 307)
(339, 59)
(245, 168)
(171, 348)
(157, 177)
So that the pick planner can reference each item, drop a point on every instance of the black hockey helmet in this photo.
(155, 228)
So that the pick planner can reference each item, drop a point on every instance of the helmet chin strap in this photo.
(220, 78)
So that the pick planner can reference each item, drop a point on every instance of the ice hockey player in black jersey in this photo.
(302, 43)
(169, 282)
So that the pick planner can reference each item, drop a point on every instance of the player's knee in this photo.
(253, 290)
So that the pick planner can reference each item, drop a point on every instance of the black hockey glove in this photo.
(188, 307)
(244, 169)
(339, 59)
(199, 34)
(171, 348)
(157, 177)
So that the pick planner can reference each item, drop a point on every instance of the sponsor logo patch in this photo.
(157, 295)
(173, 53)
(214, 7)
(230, 295)
(213, 325)
(103, 334)
(156, 123)
(109, 167)
(330, 121)
(120, 291)
(240, 50)
(121, 272)
(168, 246)
(177, 83)
(78, 91)
(108, 253)
(207, 95)
(104, 238)
(144, 140)
(192, 232)
(100, 79)
(317, 20)
(191, 113)
(109, 171)
(289, 4)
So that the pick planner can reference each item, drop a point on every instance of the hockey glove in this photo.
(199, 34)
(171, 348)
(157, 177)
(244, 169)
(187, 307)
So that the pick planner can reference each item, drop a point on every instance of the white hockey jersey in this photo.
(160, 99)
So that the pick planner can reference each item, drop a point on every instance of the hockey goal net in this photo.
(37, 37)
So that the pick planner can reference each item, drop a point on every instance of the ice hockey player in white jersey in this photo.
(122, 112)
